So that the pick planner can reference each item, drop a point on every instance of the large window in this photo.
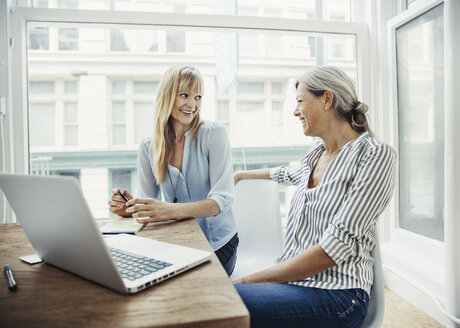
(98, 95)
(420, 59)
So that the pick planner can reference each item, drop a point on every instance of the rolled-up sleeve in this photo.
(220, 169)
(287, 175)
(369, 193)
(147, 183)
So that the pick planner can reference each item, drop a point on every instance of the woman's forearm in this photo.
(306, 264)
(251, 174)
(200, 209)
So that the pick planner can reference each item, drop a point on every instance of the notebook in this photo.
(59, 224)
(121, 225)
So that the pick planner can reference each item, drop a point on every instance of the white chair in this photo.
(376, 308)
(256, 207)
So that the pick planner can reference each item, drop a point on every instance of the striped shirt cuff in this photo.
(275, 173)
(338, 244)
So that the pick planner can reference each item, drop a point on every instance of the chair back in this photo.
(256, 207)
(376, 307)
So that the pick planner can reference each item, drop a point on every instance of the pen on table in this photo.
(9, 274)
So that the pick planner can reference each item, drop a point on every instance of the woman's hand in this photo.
(152, 210)
(117, 205)
(237, 176)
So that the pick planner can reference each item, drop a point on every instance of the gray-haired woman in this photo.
(324, 276)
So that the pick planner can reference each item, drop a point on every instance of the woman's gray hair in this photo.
(328, 78)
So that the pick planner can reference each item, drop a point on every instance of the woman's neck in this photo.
(342, 134)
(180, 131)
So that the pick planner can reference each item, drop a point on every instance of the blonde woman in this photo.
(188, 161)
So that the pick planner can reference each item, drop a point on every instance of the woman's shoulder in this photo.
(211, 126)
(145, 144)
(210, 129)
(375, 147)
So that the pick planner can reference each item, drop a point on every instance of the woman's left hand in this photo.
(152, 210)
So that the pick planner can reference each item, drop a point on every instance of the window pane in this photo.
(420, 60)
(251, 123)
(38, 38)
(42, 115)
(147, 87)
(277, 88)
(70, 87)
(118, 112)
(71, 136)
(175, 41)
(250, 87)
(68, 4)
(119, 134)
(143, 121)
(70, 115)
(118, 86)
(68, 39)
(121, 178)
(41, 87)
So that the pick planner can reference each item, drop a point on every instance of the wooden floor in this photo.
(401, 314)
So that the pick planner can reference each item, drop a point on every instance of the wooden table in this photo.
(47, 296)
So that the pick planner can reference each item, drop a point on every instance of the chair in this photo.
(257, 214)
(256, 208)
(376, 307)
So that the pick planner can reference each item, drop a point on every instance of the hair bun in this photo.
(360, 108)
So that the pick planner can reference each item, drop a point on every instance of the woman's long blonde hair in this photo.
(179, 78)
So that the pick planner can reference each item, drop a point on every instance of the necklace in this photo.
(175, 188)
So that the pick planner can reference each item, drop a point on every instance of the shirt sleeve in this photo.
(220, 169)
(287, 175)
(369, 193)
(147, 183)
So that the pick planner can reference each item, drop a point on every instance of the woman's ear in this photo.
(328, 99)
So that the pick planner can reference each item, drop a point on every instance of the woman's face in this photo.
(309, 110)
(186, 107)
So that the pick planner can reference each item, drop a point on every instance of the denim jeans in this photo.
(285, 305)
(227, 254)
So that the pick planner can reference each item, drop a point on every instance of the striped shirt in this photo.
(340, 213)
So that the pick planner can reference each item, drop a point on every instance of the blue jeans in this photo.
(227, 254)
(285, 305)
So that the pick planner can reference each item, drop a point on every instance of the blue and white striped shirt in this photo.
(207, 172)
(340, 213)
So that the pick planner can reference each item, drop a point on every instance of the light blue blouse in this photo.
(206, 173)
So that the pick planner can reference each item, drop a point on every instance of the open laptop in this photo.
(59, 224)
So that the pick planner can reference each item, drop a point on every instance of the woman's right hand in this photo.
(118, 204)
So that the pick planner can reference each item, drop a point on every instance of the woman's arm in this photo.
(306, 264)
(252, 174)
(156, 211)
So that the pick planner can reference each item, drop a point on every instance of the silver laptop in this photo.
(59, 224)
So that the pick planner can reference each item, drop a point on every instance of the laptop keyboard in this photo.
(133, 267)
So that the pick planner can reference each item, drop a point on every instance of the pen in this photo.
(9, 274)
(122, 195)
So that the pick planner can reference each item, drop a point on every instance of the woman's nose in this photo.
(296, 112)
(191, 102)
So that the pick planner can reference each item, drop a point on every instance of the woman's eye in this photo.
(198, 97)
(184, 95)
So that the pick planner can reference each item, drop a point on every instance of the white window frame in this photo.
(414, 265)
(18, 55)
